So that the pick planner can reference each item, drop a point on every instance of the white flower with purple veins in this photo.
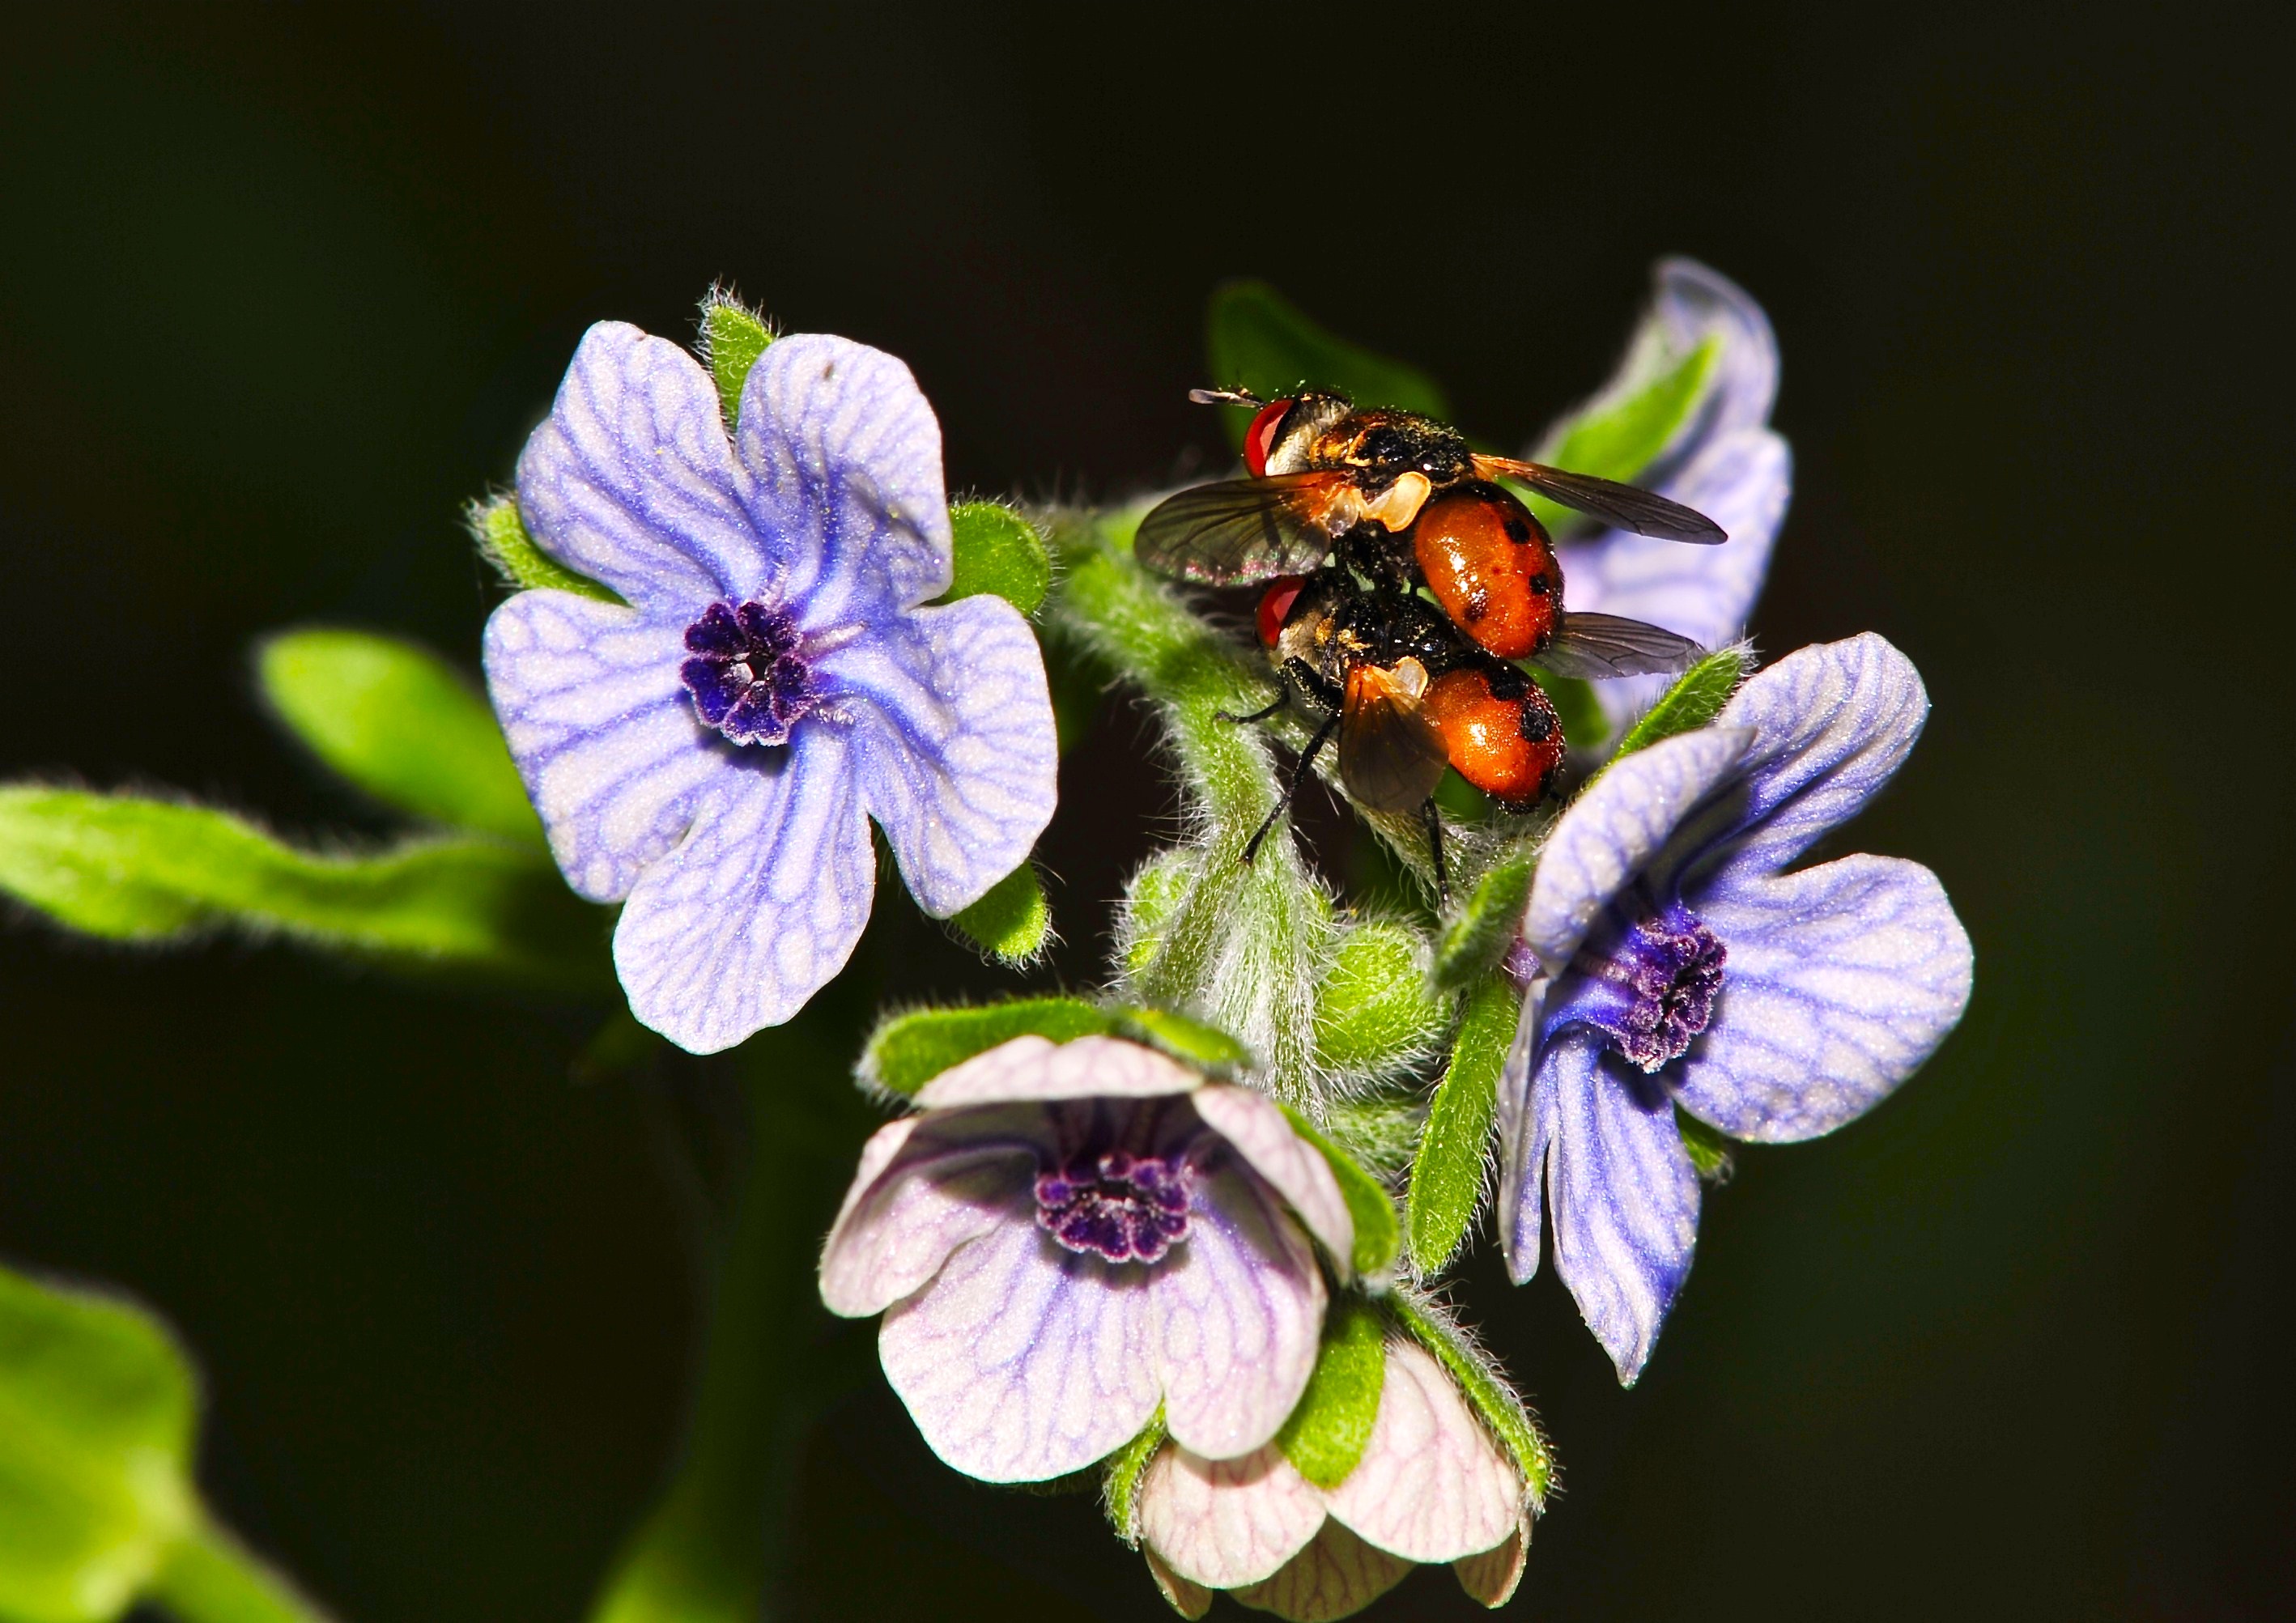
(1722, 461)
(1067, 1236)
(1433, 1486)
(1678, 958)
(711, 754)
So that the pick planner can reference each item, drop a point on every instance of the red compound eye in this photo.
(1260, 438)
(1276, 605)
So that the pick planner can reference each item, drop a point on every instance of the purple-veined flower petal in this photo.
(1022, 1361)
(846, 458)
(760, 906)
(927, 1185)
(1492, 1577)
(1035, 1067)
(1227, 1522)
(1292, 1167)
(1431, 1484)
(1842, 979)
(630, 479)
(1236, 1314)
(1622, 820)
(603, 732)
(1831, 725)
(1336, 1576)
(1625, 1196)
(1704, 593)
(1526, 1126)
(953, 742)
(1184, 1595)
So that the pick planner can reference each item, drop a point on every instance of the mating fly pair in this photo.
(1346, 512)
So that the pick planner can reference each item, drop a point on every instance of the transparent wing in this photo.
(1623, 506)
(1241, 530)
(1601, 646)
(1391, 756)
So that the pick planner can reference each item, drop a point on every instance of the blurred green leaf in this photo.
(1259, 341)
(1492, 1399)
(1479, 935)
(1619, 439)
(1447, 1176)
(1379, 1237)
(130, 869)
(1206, 1047)
(733, 337)
(1375, 1011)
(1696, 697)
(907, 1050)
(996, 551)
(502, 542)
(1708, 1149)
(97, 1414)
(1585, 724)
(1126, 1467)
(1012, 922)
(397, 721)
(1324, 1436)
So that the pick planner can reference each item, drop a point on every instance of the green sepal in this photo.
(1325, 1435)
(130, 869)
(398, 722)
(1259, 341)
(1012, 923)
(1585, 725)
(995, 550)
(1379, 1236)
(1707, 1147)
(1126, 1467)
(1374, 1011)
(1483, 929)
(1500, 1409)
(1187, 1039)
(1696, 697)
(1446, 1176)
(733, 337)
(502, 542)
(98, 1411)
(907, 1050)
(1149, 901)
(1619, 440)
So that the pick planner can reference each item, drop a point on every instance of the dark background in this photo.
(279, 291)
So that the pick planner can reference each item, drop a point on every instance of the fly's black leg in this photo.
(1435, 845)
(1299, 776)
(1281, 699)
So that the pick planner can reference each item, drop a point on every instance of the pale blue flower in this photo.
(710, 755)
(1067, 1237)
(1677, 957)
(1724, 461)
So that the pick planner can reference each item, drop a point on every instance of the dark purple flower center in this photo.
(1651, 990)
(748, 675)
(1124, 1206)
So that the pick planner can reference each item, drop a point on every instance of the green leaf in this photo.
(733, 337)
(996, 551)
(1379, 1237)
(1012, 922)
(1126, 1467)
(1708, 1148)
(1447, 1178)
(907, 1050)
(502, 542)
(1259, 341)
(1325, 1435)
(1485, 925)
(1585, 724)
(398, 722)
(130, 869)
(1501, 1410)
(1374, 1013)
(1618, 438)
(97, 1415)
(1206, 1047)
(1696, 697)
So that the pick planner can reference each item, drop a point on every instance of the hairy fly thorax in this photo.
(1398, 458)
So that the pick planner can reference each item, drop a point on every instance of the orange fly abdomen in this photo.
(1490, 565)
(1509, 748)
